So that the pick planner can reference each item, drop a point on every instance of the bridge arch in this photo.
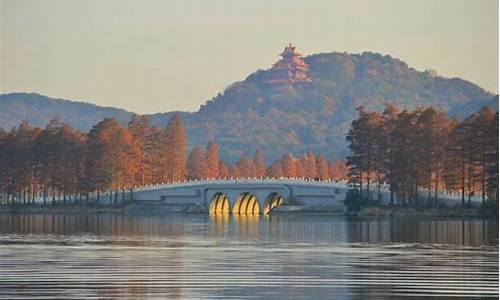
(246, 203)
(220, 204)
(273, 200)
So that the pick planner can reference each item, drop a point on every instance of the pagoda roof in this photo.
(291, 68)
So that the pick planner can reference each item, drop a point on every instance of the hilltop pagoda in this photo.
(291, 68)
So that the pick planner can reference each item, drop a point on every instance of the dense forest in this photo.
(252, 114)
(424, 150)
(61, 161)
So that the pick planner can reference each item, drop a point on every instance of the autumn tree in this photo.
(234, 171)
(390, 119)
(365, 142)
(197, 163)
(334, 170)
(322, 165)
(20, 166)
(141, 133)
(246, 167)
(275, 170)
(112, 157)
(175, 160)
(289, 167)
(212, 159)
(156, 163)
(309, 163)
(223, 170)
(260, 166)
(300, 167)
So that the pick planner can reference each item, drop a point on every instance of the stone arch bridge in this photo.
(243, 196)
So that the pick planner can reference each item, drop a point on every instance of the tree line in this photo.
(59, 161)
(203, 163)
(421, 152)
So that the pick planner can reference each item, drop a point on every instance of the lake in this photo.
(295, 256)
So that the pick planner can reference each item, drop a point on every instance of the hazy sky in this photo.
(152, 56)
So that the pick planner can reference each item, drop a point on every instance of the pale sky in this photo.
(155, 56)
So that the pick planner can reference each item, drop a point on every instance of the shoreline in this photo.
(372, 211)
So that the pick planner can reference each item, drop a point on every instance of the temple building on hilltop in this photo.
(291, 68)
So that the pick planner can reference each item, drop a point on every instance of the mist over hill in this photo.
(278, 118)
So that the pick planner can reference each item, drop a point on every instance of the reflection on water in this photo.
(229, 256)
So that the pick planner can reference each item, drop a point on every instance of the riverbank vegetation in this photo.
(415, 153)
(424, 151)
(61, 162)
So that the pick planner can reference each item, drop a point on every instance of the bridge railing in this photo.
(283, 180)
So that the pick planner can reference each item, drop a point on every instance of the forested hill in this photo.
(253, 114)
(39, 110)
(316, 116)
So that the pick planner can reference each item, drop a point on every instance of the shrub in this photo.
(353, 201)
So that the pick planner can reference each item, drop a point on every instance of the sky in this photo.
(156, 56)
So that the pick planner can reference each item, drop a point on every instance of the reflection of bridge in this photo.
(244, 196)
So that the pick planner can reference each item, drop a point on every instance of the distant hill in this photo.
(253, 114)
(38, 110)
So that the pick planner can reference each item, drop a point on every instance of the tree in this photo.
(197, 163)
(156, 162)
(175, 160)
(223, 170)
(260, 166)
(3, 163)
(484, 144)
(492, 159)
(112, 157)
(234, 172)
(390, 119)
(365, 140)
(212, 164)
(289, 166)
(276, 170)
(433, 132)
(353, 201)
(309, 163)
(334, 170)
(141, 133)
(300, 167)
(322, 165)
(68, 150)
(246, 168)
(20, 164)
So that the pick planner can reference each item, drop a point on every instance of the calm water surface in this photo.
(70, 256)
